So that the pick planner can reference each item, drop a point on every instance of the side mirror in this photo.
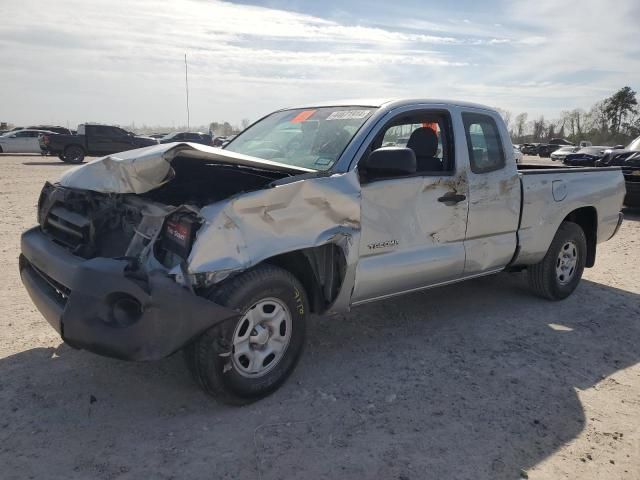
(390, 162)
(619, 147)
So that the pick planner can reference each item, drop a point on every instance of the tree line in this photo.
(614, 120)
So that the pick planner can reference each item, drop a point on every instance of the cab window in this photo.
(428, 134)
(483, 143)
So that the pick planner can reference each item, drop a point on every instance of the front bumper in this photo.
(108, 307)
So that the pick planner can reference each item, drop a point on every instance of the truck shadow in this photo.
(477, 380)
(52, 163)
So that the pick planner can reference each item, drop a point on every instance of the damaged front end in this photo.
(91, 269)
(127, 247)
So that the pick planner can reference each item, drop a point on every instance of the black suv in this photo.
(193, 137)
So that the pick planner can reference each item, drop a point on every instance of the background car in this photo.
(616, 156)
(50, 128)
(631, 173)
(585, 157)
(546, 149)
(93, 139)
(228, 139)
(22, 141)
(193, 137)
(629, 159)
(562, 152)
(529, 148)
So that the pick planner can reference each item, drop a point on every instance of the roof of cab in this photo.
(391, 103)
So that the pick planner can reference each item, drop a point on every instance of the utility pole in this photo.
(186, 84)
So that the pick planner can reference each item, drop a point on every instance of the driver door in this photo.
(411, 236)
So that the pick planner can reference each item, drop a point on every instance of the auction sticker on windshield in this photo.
(302, 116)
(348, 114)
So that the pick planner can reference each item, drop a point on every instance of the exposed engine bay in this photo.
(198, 182)
(163, 221)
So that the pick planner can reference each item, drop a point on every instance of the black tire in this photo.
(61, 157)
(210, 357)
(73, 154)
(544, 279)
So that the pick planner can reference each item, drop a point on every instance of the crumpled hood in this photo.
(143, 169)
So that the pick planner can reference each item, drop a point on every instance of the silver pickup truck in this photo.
(224, 253)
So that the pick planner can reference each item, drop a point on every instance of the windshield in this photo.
(311, 138)
(635, 145)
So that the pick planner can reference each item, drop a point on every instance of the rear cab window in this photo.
(486, 153)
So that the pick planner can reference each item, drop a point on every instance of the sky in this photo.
(115, 61)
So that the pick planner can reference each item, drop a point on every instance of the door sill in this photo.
(427, 287)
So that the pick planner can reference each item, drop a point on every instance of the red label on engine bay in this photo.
(178, 231)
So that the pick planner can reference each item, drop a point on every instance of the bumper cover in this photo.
(104, 306)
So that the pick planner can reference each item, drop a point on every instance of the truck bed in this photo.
(536, 168)
(550, 194)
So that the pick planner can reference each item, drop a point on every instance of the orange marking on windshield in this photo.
(302, 116)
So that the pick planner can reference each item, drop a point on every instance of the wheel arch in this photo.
(321, 270)
(79, 145)
(587, 219)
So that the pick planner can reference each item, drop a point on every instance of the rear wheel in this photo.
(560, 271)
(242, 361)
(73, 154)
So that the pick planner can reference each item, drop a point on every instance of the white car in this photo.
(21, 141)
(518, 155)
(562, 152)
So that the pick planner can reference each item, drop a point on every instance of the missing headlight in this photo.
(178, 233)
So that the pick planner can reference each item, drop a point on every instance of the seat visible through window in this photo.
(424, 142)
(428, 135)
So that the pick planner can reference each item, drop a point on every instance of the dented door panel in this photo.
(409, 239)
(494, 208)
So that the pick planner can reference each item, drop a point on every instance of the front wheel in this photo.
(560, 271)
(242, 361)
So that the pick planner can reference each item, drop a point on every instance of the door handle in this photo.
(451, 198)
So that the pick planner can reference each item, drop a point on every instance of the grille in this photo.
(69, 228)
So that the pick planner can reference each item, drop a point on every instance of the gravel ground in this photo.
(479, 380)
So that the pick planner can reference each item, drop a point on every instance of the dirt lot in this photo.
(474, 381)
